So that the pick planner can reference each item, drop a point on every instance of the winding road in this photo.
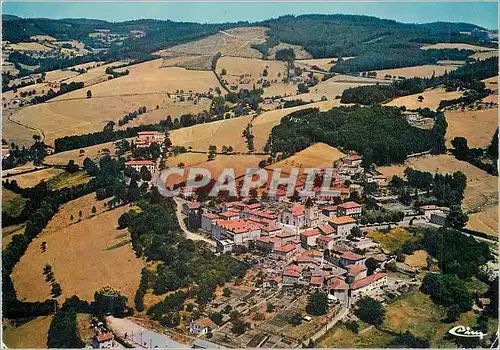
(180, 217)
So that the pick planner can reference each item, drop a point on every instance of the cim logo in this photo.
(466, 332)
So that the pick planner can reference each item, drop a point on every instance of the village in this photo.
(297, 246)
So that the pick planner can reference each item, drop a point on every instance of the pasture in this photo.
(34, 178)
(432, 98)
(459, 46)
(485, 221)
(477, 126)
(425, 71)
(391, 241)
(81, 255)
(31, 334)
(481, 187)
(92, 152)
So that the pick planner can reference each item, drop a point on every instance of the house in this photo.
(284, 252)
(239, 231)
(324, 242)
(190, 207)
(146, 138)
(343, 225)
(271, 230)
(307, 260)
(138, 164)
(326, 229)
(207, 220)
(230, 215)
(202, 326)
(224, 245)
(268, 216)
(353, 160)
(378, 179)
(266, 243)
(103, 340)
(329, 211)
(291, 274)
(428, 210)
(286, 237)
(356, 271)
(350, 258)
(308, 238)
(273, 282)
(370, 285)
(352, 209)
(338, 288)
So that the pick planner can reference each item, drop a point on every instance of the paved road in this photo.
(180, 217)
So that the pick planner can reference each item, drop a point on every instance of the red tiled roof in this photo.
(140, 162)
(287, 248)
(238, 225)
(310, 233)
(325, 238)
(194, 205)
(337, 284)
(270, 228)
(355, 269)
(102, 337)
(292, 271)
(284, 234)
(229, 214)
(317, 280)
(327, 229)
(254, 206)
(367, 280)
(298, 209)
(342, 220)
(261, 214)
(330, 208)
(344, 190)
(351, 256)
(349, 205)
(314, 253)
(210, 215)
(267, 239)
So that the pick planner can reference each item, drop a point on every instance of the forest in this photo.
(380, 134)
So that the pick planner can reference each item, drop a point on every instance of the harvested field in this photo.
(485, 221)
(32, 334)
(92, 76)
(432, 97)
(227, 132)
(457, 46)
(417, 260)
(341, 337)
(232, 42)
(323, 63)
(42, 38)
(264, 123)
(149, 78)
(78, 255)
(481, 187)
(425, 71)
(239, 163)
(476, 126)
(281, 89)
(481, 56)
(319, 155)
(92, 152)
(33, 178)
(31, 46)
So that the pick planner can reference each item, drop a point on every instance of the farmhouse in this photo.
(138, 164)
(146, 138)
(370, 285)
(202, 326)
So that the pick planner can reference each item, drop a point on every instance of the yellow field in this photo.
(232, 42)
(491, 83)
(417, 260)
(32, 334)
(92, 152)
(457, 46)
(227, 132)
(323, 63)
(92, 76)
(33, 178)
(485, 221)
(425, 71)
(477, 126)
(77, 252)
(484, 55)
(31, 46)
(239, 163)
(319, 155)
(42, 38)
(432, 97)
(392, 241)
(264, 123)
(481, 186)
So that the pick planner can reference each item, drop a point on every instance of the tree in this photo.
(420, 98)
(223, 71)
(409, 341)
(56, 290)
(94, 210)
(89, 94)
(269, 307)
(265, 72)
(80, 214)
(226, 292)
(295, 319)
(63, 331)
(71, 217)
(461, 148)
(371, 265)
(71, 167)
(216, 317)
(212, 150)
(317, 304)
(447, 290)
(145, 174)
(302, 88)
(370, 311)
(90, 167)
(124, 220)
(456, 218)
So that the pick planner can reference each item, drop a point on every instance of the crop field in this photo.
(232, 42)
(476, 126)
(82, 255)
(484, 55)
(481, 187)
(323, 63)
(239, 163)
(92, 152)
(485, 221)
(319, 155)
(27, 46)
(264, 123)
(32, 334)
(425, 71)
(432, 97)
(457, 46)
(33, 178)
(227, 132)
